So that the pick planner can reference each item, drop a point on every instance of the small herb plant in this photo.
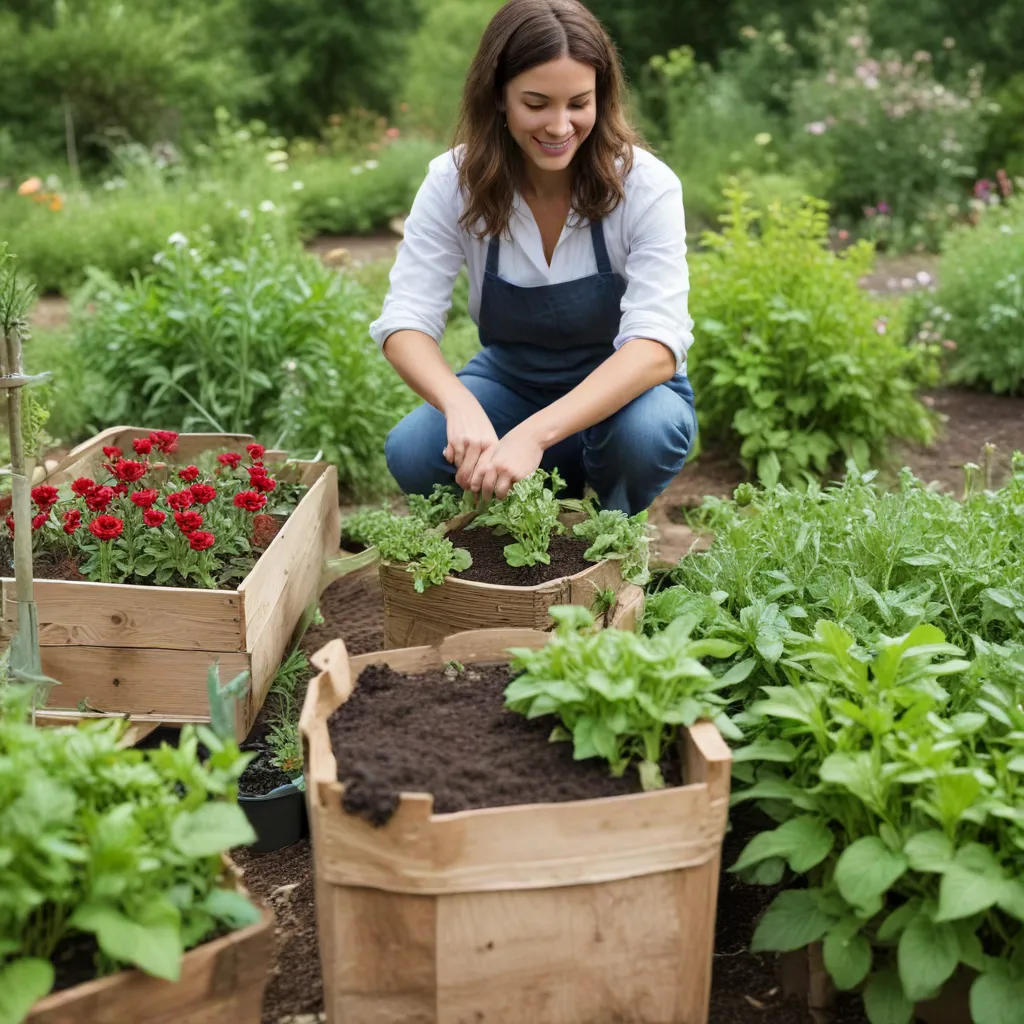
(614, 535)
(119, 844)
(144, 520)
(621, 696)
(283, 706)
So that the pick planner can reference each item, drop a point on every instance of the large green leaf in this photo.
(804, 842)
(213, 828)
(963, 892)
(997, 997)
(23, 983)
(927, 957)
(885, 1001)
(848, 960)
(793, 920)
(154, 947)
(929, 851)
(866, 870)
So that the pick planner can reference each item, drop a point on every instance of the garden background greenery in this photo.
(165, 166)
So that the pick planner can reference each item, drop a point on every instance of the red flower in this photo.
(113, 452)
(180, 500)
(45, 496)
(10, 523)
(83, 486)
(120, 490)
(203, 493)
(201, 540)
(106, 527)
(39, 520)
(72, 520)
(99, 499)
(165, 440)
(231, 459)
(259, 480)
(188, 521)
(153, 517)
(189, 473)
(256, 452)
(142, 445)
(251, 501)
(145, 499)
(129, 471)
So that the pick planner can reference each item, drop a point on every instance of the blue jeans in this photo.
(628, 459)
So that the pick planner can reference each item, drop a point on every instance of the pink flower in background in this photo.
(392, 133)
(883, 209)
(843, 234)
(881, 325)
(949, 344)
(816, 127)
(869, 212)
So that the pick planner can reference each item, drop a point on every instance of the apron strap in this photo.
(604, 265)
(492, 256)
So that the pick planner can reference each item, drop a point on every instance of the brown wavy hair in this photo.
(522, 35)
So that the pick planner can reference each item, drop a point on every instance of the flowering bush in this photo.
(793, 362)
(901, 145)
(113, 527)
(977, 311)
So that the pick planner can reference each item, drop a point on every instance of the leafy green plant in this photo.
(615, 536)
(621, 696)
(119, 845)
(798, 371)
(443, 503)
(529, 515)
(977, 311)
(437, 559)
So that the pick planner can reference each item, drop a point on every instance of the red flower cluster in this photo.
(260, 480)
(142, 445)
(113, 452)
(154, 517)
(229, 459)
(203, 493)
(129, 471)
(189, 474)
(45, 496)
(256, 452)
(72, 520)
(106, 527)
(165, 441)
(83, 486)
(39, 520)
(145, 499)
(188, 521)
(180, 500)
(99, 498)
(251, 501)
(200, 540)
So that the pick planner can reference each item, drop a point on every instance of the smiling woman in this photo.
(574, 239)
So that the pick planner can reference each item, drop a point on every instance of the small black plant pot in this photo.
(278, 817)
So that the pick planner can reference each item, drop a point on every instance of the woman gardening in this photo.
(574, 240)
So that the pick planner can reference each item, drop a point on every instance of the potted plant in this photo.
(468, 866)
(450, 566)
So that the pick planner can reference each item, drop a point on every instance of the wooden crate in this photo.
(456, 606)
(144, 652)
(576, 913)
(220, 981)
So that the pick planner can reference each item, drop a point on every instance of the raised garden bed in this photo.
(546, 903)
(144, 651)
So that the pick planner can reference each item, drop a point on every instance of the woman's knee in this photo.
(413, 451)
(658, 426)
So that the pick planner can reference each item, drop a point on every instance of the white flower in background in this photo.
(297, 186)
(245, 213)
(277, 156)
(194, 253)
(178, 240)
(763, 138)
(816, 127)
(949, 42)
(924, 278)
(357, 168)
(371, 165)
(267, 206)
(856, 42)
(279, 167)
(158, 258)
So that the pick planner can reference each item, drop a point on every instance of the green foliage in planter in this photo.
(120, 845)
(792, 361)
(268, 342)
(977, 312)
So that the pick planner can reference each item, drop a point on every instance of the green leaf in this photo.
(847, 959)
(23, 983)
(884, 1000)
(780, 751)
(768, 470)
(154, 947)
(929, 851)
(997, 997)
(866, 870)
(793, 921)
(231, 908)
(963, 892)
(927, 957)
(892, 927)
(804, 842)
(213, 828)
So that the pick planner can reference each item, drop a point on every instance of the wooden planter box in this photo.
(222, 980)
(576, 913)
(144, 652)
(412, 619)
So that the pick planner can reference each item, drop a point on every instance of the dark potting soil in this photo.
(489, 566)
(261, 776)
(447, 732)
(353, 609)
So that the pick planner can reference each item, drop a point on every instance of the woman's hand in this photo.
(471, 436)
(514, 458)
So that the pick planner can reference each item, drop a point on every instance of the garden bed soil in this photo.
(489, 565)
(402, 732)
(261, 776)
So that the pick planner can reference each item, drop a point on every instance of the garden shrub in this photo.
(901, 145)
(268, 342)
(977, 311)
(792, 363)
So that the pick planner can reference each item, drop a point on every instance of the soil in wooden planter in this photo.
(261, 776)
(448, 733)
(489, 566)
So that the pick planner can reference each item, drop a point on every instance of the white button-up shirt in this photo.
(645, 236)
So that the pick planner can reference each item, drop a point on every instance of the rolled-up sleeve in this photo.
(428, 261)
(655, 304)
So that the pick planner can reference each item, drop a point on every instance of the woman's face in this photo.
(551, 109)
